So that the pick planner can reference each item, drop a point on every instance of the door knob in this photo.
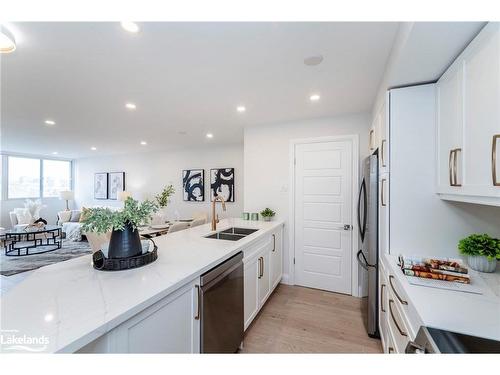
(347, 227)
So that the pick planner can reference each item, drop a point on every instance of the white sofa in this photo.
(70, 223)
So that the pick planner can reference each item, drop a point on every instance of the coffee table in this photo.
(31, 240)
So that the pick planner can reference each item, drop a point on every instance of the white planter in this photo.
(266, 218)
(481, 263)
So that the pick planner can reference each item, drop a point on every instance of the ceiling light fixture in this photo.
(314, 98)
(50, 122)
(55, 153)
(241, 108)
(313, 60)
(130, 106)
(210, 135)
(93, 148)
(131, 27)
(144, 143)
(7, 41)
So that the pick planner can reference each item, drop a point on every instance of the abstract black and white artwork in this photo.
(193, 185)
(101, 186)
(116, 184)
(222, 183)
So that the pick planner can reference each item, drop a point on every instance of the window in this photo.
(36, 178)
(24, 178)
(56, 177)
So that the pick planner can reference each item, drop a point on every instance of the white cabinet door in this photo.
(482, 112)
(171, 325)
(383, 213)
(276, 258)
(383, 327)
(251, 290)
(264, 277)
(450, 130)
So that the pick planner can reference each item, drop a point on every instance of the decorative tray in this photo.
(101, 263)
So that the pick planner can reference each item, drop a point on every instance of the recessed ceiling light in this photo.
(7, 41)
(55, 153)
(241, 108)
(50, 122)
(313, 60)
(210, 135)
(182, 132)
(93, 148)
(131, 27)
(314, 97)
(144, 143)
(130, 106)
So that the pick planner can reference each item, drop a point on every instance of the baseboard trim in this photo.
(285, 279)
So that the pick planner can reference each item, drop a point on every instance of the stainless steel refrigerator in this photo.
(368, 238)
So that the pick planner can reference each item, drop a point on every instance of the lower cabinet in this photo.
(171, 325)
(262, 273)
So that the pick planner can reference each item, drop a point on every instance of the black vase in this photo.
(125, 243)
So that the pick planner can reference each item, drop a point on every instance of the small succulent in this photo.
(267, 213)
(480, 245)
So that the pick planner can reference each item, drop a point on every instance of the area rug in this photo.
(11, 265)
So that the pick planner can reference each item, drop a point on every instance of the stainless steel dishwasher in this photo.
(222, 307)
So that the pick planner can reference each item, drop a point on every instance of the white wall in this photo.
(266, 161)
(147, 173)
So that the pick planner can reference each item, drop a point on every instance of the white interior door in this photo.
(323, 205)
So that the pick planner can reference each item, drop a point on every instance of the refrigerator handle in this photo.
(364, 263)
(362, 228)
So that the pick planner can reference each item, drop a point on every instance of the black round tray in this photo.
(102, 263)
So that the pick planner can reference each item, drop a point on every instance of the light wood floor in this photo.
(303, 320)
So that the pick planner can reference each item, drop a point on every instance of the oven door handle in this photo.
(221, 276)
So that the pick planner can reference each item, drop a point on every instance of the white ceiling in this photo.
(183, 77)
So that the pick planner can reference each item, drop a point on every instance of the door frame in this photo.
(354, 139)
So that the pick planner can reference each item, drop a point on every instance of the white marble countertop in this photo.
(472, 314)
(72, 304)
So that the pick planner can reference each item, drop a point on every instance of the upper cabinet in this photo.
(379, 137)
(469, 123)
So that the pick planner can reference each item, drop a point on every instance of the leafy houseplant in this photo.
(482, 251)
(125, 241)
(163, 198)
(267, 214)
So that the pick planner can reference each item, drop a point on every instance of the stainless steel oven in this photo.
(222, 307)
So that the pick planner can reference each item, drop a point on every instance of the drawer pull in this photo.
(382, 287)
(197, 316)
(371, 139)
(391, 350)
(494, 160)
(455, 153)
(382, 195)
(450, 167)
(403, 302)
(382, 152)
(274, 242)
(402, 333)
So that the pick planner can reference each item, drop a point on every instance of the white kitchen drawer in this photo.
(397, 325)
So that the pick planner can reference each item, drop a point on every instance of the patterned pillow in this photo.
(23, 216)
(64, 216)
(75, 216)
(83, 214)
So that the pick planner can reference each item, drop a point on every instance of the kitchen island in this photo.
(70, 306)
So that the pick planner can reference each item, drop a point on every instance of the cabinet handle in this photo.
(371, 139)
(391, 349)
(382, 287)
(261, 266)
(403, 333)
(198, 291)
(496, 137)
(455, 153)
(382, 152)
(274, 242)
(382, 195)
(403, 302)
(262, 274)
(450, 167)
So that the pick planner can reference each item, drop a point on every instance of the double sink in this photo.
(232, 234)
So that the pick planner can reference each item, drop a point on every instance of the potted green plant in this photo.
(163, 199)
(267, 214)
(482, 251)
(125, 241)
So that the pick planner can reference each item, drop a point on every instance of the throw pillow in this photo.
(75, 216)
(23, 216)
(64, 216)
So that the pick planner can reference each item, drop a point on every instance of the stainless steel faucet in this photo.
(215, 219)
